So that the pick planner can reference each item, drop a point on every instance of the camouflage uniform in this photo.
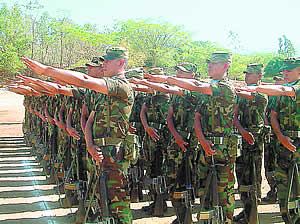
(288, 110)
(109, 130)
(251, 116)
(175, 163)
(270, 150)
(217, 115)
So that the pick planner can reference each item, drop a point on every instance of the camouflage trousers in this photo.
(244, 172)
(174, 165)
(270, 150)
(285, 160)
(225, 157)
(118, 199)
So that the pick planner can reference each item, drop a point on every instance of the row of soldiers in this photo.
(179, 135)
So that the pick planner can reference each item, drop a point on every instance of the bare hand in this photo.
(249, 137)
(131, 129)
(35, 66)
(95, 152)
(181, 143)
(206, 145)
(287, 143)
(153, 133)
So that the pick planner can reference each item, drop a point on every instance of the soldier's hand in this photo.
(287, 143)
(35, 66)
(249, 137)
(73, 133)
(131, 129)
(181, 143)
(95, 152)
(153, 133)
(206, 145)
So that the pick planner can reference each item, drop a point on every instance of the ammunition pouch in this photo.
(292, 133)
(131, 148)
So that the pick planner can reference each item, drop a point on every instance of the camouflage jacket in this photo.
(184, 110)
(217, 111)
(112, 110)
(288, 109)
(252, 112)
(157, 107)
(139, 99)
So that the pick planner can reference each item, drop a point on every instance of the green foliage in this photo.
(28, 31)
(274, 66)
(286, 48)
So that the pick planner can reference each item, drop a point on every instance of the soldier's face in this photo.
(291, 75)
(112, 67)
(252, 78)
(217, 70)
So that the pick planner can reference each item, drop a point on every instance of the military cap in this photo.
(219, 56)
(187, 67)
(254, 68)
(291, 63)
(156, 71)
(115, 52)
(135, 73)
(96, 62)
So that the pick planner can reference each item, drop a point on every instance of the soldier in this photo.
(270, 149)
(213, 124)
(111, 112)
(286, 126)
(153, 116)
(249, 119)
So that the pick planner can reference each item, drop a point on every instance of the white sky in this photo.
(259, 23)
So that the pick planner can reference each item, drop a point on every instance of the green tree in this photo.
(286, 48)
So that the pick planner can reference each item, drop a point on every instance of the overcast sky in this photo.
(259, 23)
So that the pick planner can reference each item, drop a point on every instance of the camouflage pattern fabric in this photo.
(157, 110)
(217, 113)
(183, 117)
(111, 121)
(288, 110)
(251, 116)
(270, 150)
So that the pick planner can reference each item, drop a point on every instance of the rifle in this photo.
(293, 185)
(215, 216)
(134, 175)
(252, 191)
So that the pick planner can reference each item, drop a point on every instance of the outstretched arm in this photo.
(192, 85)
(270, 90)
(68, 76)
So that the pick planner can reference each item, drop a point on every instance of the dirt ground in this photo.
(25, 196)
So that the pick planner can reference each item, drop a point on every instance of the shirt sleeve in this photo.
(118, 88)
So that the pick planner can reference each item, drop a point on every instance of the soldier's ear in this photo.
(226, 66)
(122, 62)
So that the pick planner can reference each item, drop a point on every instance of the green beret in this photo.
(135, 73)
(115, 52)
(219, 57)
(254, 68)
(96, 62)
(291, 63)
(156, 71)
(187, 67)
